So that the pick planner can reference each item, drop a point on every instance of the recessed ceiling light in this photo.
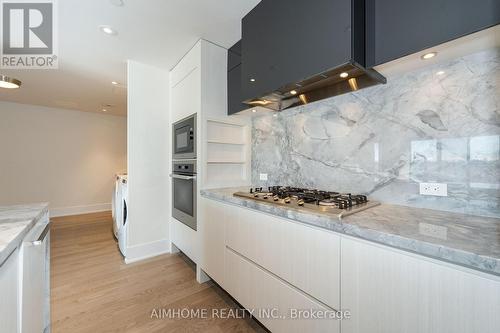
(275, 115)
(254, 110)
(252, 80)
(114, 83)
(440, 73)
(9, 82)
(106, 107)
(429, 55)
(293, 92)
(108, 30)
(344, 75)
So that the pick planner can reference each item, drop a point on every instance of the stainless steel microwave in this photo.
(184, 138)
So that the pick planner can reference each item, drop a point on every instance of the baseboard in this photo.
(145, 251)
(77, 210)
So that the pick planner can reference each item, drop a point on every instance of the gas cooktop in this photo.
(327, 202)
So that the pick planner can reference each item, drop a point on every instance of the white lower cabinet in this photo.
(272, 265)
(389, 291)
(269, 263)
(274, 302)
(306, 257)
(240, 280)
(9, 290)
(35, 279)
(211, 229)
(25, 284)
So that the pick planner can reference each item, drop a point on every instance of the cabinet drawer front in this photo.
(9, 287)
(272, 301)
(211, 229)
(239, 279)
(35, 285)
(390, 292)
(307, 258)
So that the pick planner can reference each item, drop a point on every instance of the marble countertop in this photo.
(15, 222)
(466, 240)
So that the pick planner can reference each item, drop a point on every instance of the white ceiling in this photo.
(155, 32)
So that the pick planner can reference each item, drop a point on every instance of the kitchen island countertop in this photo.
(15, 223)
(466, 240)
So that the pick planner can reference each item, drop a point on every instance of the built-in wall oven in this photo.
(184, 138)
(184, 192)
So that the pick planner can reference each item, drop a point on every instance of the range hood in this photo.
(321, 86)
(332, 64)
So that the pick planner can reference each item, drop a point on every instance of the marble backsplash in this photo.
(437, 124)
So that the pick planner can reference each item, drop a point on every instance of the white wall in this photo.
(148, 161)
(65, 157)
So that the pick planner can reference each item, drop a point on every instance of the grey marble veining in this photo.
(466, 240)
(384, 140)
(15, 222)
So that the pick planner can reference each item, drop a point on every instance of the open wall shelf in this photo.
(227, 153)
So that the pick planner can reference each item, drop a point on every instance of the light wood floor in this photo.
(94, 291)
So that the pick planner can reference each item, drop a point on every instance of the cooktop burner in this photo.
(328, 202)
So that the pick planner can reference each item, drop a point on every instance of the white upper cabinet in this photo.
(186, 65)
(185, 85)
(198, 83)
(389, 291)
(184, 101)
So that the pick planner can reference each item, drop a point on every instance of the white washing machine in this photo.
(117, 205)
(122, 230)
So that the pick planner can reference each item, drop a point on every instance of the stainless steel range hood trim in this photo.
(320, 86)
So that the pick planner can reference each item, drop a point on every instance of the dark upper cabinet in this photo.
(296, 52)
(402, 27)
(234, 56)
(234, 99)
(285, 41)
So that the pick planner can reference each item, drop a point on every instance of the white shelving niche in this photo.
(227, 162)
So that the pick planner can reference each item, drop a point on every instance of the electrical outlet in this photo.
(263, 176)
(437, 189)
